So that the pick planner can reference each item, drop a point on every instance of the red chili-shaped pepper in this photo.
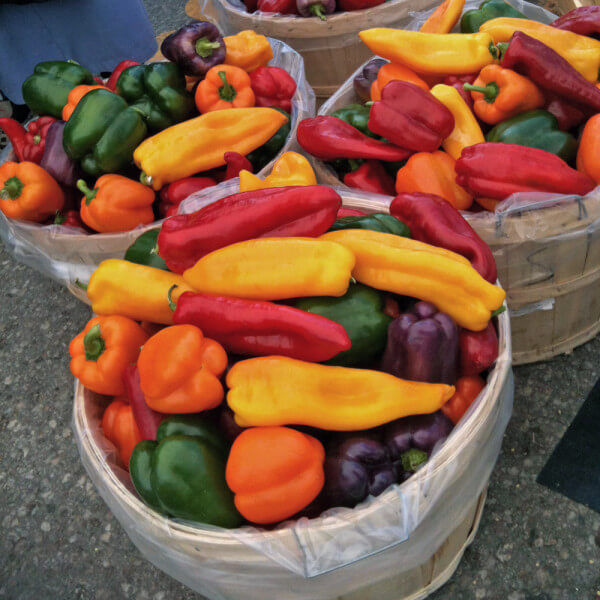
(71, 218)
(273, 87)
(16, 134)
(28, 143)
(357, 4)
(146, 419)
(235, 163)
(276, 212)
(567, 114)
(478, 350)
(410, 117)
(371, 177)
(584, 20)
(111, 84)
(494, 170)
(458, 81)
(330, 138)
(260, 328)
(172, 195)
(283, 7)
(435, 221)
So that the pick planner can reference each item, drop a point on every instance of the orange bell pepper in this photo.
(499, 94)
(488, 203)
(119, 426)
(394, 72)
(247, 50)
(224, 86)
(75, 95)
(467, 389)
(588, 155)
(444, 18)
(274, 472)
(180, 369)
(102, 351)
(115, 204)
(28, 192)
(433, 173)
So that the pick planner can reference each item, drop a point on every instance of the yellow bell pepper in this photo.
(466, 130)
(291, 169)
(275, 390)
(274, 269)
(432, 53)
(120, 287)
(200, 144)
(444, 18)
(401, 266)
(247, 50)
(581, 52)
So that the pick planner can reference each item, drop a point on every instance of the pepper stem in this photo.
(145, 178)
(37, 139)
(59, 218)
(498, 311)
(13, 188)
(354, 164)
(204, 47)
(226, 91)
(85, 190)
(81, 285)
(172, 304)
(317, 11)
(502, 48)
(93, 343)
(413, 458)
(490, 91)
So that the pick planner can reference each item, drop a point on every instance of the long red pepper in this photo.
(583, 20)
(172, 195)
(111, 84)
(146, 419)
(371, 177)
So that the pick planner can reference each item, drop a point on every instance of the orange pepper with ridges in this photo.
(102, 351)
(224, 86)
(75, 95)
(433, 173)
(394, 72)
(119, 426)
(444, 18)
(274, 472)
(180, 369)
(247, 50)
(467, 389)
(588, 155)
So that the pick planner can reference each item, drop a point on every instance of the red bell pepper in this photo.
(467, 389)
(260, 328)
(172, 195)
(433, 220)
(71, 218)
(458, 81)
(357, 4)
(371, 177)
(283, 7)
(567, 114)
(28, 143)
(235, 163)
(111, 84)
(584, 20)
(146, 419)
(273, 87)
(330, 138)
(478, 350)
(410, 117)
(276, 212)
(349, 212)
(494, 170)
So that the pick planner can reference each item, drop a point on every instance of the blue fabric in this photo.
(98, 34)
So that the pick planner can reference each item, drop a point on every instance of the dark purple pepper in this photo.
(55, 160)
(315, 8)
(422, 432)
(346, 482)
(195, 47)
(422, 345)
(363, 81)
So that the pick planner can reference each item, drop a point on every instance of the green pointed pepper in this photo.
(472, 20)
(375, 222)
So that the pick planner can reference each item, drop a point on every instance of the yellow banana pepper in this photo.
(200, 144)
(444, 18)
(466, 130)
(421, 271)
(247, 50)
(291, 169)
(274, 269)
(120, 287)
(276, 390)
(432, 53)
(580, 51)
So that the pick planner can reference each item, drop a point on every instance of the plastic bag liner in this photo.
(344, 549)
(66, 254)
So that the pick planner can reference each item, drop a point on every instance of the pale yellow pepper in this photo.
(290, 169)
(247, 50)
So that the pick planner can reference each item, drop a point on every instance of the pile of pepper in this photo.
(508, 105)
(99, 151)
(283, 355)
(307, 8)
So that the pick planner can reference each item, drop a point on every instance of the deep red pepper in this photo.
(71, 218)
(28, 143)
(273, 87)
(283, 7)
(567, 115)
(172, 195)
(550, 71)
(478, 350)
(111, 84)
(276, 212)
(349, 212)
(371, 177)
(467, 390)
(146, 419)
(357, 4)
(330, 138)
(251, 5)
(584, 20)
(410, 117)
(235, 163)
(433, 220)
(494, 170)
(261, 328)
(458, 81)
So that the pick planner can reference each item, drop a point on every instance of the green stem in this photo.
(318, 11)
(172, 304)
(226, 91)
(145, 179)
(85, 190)
(413, 458)
(81, 285)
(13, 187)
(93, 343)
(204, 47)
(354, 164)
(499, 311)
(37, 139)
(59, 219)
(502, 48)
(490, 91)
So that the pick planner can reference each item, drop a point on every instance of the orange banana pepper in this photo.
(75, 95)
(102, 351)
(444, 18)
(467, 389)
(224, 86)
(180, 369)
(119, 426)
(588, 155)
(394, 72)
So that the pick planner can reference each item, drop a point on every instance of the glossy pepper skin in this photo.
(103, 132)
(588, 157)
(173, 194)
(28, 143)
(332, 398)
(55, 160)
(356, 115)
(472, 20)
(410, 117)
(274, 472)
(273, 86)
(374, 222)
(434, 221)
(330, 138)
(259, 328)
(444, 17)
(144, 251)
(290, 169)
(119, 427)
(496, 170)
(357, 4)
(467, 390)
(360, 312)
(478, 350)
(235, 164)
(274, 268)
(364, 80)
(584, 20)
(283, 7)
(264, 154)
(180, 369)
(46, 91)
(69, 219)
(224, 86)
(276, 212)
(247, 50)
(111, 84)
(568, 115)
(102, 351)
(407, 267)
(394, 72)
(457, 82)
(372, 177)
(536, 129)
(75, 95)
(315, 8)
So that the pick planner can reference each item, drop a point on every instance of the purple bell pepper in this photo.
(315, 8)
(422, 345)
(363, 81)
(55, 160)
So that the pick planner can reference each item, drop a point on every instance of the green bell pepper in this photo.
(360, 312)
(375, 222)
(263, 155)
(103, 132)
(536, 129)
(356, 115)
(472, 20)
(159, 91)
(144, 251)
(46, 91)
